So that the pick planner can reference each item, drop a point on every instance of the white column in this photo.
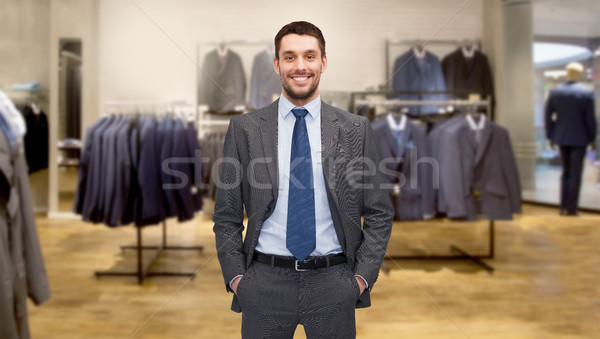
(518, 86)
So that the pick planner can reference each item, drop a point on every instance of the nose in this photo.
(300, 64)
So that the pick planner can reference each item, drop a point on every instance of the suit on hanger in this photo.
(433, 139)
(222, 83)
(110, 170)
(150, 205)
(468, 75)
(573, 129)
(84, 183)
(478, 177)
(123, 174)
(415, 199)
(36, 139)
(197, 168)
(183, 192)
(413, 74)
(95, 175)
(165, 137)
(264, 81)
(251, 140)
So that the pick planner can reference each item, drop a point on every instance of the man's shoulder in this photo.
(267, 112)
(342, 115)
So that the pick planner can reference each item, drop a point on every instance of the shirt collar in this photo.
(313, 107)
(475, 126)
(394, 125)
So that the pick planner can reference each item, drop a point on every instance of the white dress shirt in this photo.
(273, 232)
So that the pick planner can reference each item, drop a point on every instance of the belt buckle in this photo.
(296, 266)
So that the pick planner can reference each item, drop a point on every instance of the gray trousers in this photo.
(274, 300)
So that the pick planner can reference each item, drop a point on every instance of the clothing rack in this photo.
(142, 271)
(460, 254)
(355, 103)
(24, 96)
(422, 43)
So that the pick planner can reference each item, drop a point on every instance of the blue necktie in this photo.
(301, 237)
(398, 136)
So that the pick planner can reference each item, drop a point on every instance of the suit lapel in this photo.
(268, 132)
(329, 138)
(486, 134)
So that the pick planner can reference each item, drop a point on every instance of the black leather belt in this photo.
(307, 264)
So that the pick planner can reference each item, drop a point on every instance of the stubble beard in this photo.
(299, 96)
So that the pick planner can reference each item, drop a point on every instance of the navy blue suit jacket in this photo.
(575, 123)
(416, 197)
(411, 75)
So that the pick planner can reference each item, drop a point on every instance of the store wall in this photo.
(148, 52)
(24, 53)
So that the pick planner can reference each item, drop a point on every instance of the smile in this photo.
(300, 78)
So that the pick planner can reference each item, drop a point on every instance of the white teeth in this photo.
(301, 79)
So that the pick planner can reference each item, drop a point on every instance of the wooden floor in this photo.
(546, 283)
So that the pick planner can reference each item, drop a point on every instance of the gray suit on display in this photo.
(264, 81)
(472, 170)
(22, 271)
(222, 83)
(249, 181)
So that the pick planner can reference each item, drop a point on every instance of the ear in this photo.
(276, 65)
(324, 61)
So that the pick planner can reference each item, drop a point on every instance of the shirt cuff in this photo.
(239, 275)
(366, 283)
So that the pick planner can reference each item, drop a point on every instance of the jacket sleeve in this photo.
(590, 117)
(377, 213)
(38, 288)
(548, 123)
(511, 173)
(229, 211)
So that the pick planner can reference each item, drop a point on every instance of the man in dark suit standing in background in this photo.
(306, 173)
(571, 124)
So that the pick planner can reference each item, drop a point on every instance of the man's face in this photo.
(300, 66)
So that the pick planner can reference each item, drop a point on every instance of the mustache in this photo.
(302, 74)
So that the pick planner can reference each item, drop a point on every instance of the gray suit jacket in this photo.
(264, 81)
(488, 167)
(249, 176)
(222, 85)
(22, 271)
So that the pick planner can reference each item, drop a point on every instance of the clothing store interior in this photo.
(107, 233)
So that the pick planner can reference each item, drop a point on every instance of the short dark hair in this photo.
(300, 28)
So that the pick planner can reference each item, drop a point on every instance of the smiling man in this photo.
(307, 175)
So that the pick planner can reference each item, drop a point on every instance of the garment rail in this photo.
(142, 271)
(459, 254)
